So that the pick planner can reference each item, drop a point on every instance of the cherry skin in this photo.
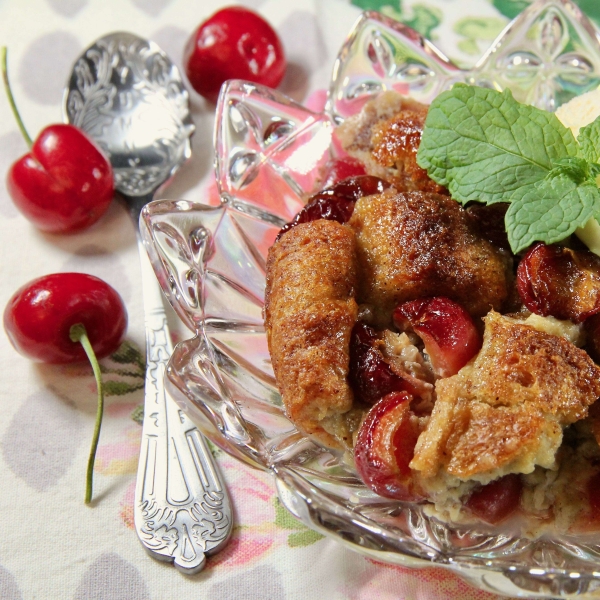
(64, 184)
(336, 203)
(370, 375)
(39, 316)
(558, 281)
(385, 445)
(496, 500)
(234, 43)
(66, 318)
(446, 328)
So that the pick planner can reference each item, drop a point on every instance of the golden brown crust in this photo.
(309, 314)
(385, 137)
(507, 407)
(417, 244)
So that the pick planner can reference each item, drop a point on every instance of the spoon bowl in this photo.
(127, 95)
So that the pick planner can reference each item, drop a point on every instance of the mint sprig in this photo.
(485, 146)
(589, 140)
(550, 210)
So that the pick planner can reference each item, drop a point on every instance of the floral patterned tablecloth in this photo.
(53, 546)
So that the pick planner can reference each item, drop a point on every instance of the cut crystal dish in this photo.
(210, 261)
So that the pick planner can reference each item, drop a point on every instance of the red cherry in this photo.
(341, 168)
(64, 318)
(370, 375)
(336, 203)
(497, 500)
(355, 187)
(446, 328)
(559, 281)
(385, 445)
(39, 316)
(332, 208)
(64, 184)
(234, 43)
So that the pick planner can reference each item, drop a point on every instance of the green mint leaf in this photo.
(484, 145)
(577, 169)
(550, 210)
(589, 141)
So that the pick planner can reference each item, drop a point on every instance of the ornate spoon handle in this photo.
(182, 510)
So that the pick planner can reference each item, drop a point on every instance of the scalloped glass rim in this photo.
(546, 55)
(211, 261)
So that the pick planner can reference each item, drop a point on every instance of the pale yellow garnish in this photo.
(575, 114)
(580, 111)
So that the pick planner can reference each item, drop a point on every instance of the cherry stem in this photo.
(11, 100)
(78, 333)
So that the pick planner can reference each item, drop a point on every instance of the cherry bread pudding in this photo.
(404, 330)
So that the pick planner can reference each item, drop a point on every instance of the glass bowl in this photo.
(210, 261)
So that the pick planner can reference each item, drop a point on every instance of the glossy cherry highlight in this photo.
(65, 183)
(446, 328)
(234, 43)
(39, 316)
(336, 203)
(68, 317)
(385, 446)
(557, 281)
(370, 375)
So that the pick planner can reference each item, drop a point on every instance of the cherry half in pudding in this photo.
(385, 446)
(560, 282)
(336, 203)
(386, 441)
(497, 500)
(370, 375)
(446, 328)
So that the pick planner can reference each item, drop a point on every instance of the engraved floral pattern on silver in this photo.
(129, 97)
(182, 510)
(222, 377)
(125, 93)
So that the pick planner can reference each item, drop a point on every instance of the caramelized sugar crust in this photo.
(309, 314)
(504, 411)
(396, 247)
(385, 136)
(416, 244)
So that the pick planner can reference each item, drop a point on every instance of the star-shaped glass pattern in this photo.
(210, 261)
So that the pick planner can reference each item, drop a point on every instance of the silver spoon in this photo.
(126, 94)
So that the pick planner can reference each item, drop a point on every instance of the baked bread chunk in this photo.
(505, 410)
(309, 314)
(385, 137)
(417, 244)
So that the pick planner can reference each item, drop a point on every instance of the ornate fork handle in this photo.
(182, 510)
